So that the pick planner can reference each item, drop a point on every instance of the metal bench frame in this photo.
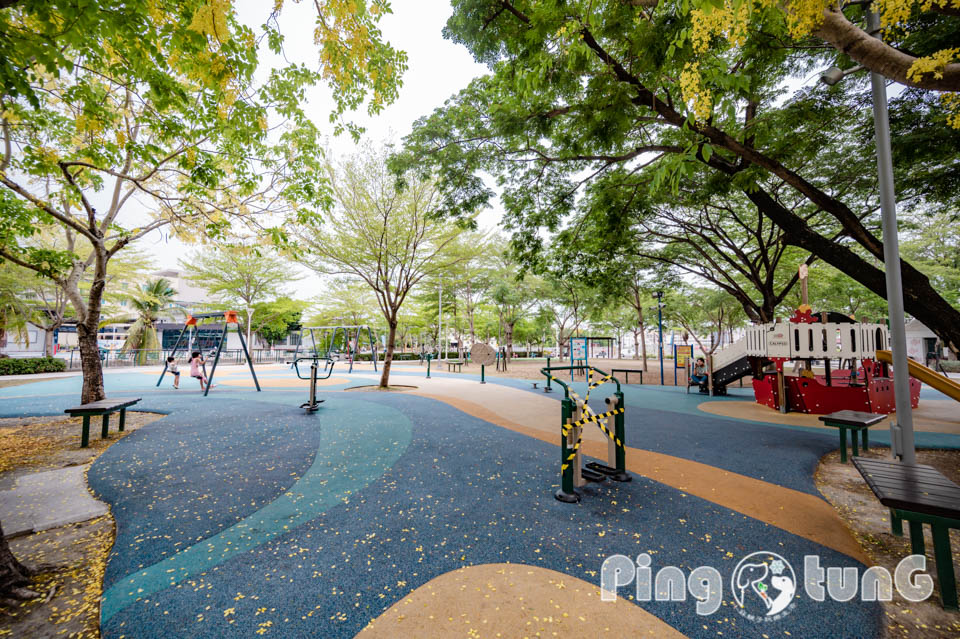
(103, 407)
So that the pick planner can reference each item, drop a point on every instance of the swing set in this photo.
(335, 338)
(228, 317)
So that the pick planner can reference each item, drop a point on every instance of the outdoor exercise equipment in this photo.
(485, 355)
(313, 404)
(576, 413)
(228, 317)
(350, 336)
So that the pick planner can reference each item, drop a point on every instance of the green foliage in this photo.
(273, 321)
(31, 365)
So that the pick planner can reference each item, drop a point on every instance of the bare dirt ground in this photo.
(869, 522)
(69, 605)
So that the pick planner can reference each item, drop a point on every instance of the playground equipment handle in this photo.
(329, 363)
(566, 389)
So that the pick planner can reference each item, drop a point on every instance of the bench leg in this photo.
(944, 559)
(85, 434)
(853, 439)
(123, 418)
(916, 538)
(105, 431)
(843, 445)
(866, 443)
(896, 525)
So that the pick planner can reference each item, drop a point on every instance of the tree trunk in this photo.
(636, 345)
(13, 574)
(48, 342)
(93, 390)
(388, 356)
(508, 338)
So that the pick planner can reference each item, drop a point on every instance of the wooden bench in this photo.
(626, 373)
(104, 407)
(455, 362)
(921, 495)
(854, 421)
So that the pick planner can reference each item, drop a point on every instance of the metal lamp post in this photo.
(903, 437)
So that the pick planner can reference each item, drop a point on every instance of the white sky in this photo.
(437, 69)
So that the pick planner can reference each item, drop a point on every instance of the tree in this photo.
(16, 313)
(190, 146)
(273, 321)
(152, 298)
(926, 62)
(239, 275)
(346, 301)
(514, 294)
(702, 311)
(563, 300)
(385, 235)
(580, 92)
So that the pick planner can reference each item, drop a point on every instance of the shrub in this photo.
(27, 366)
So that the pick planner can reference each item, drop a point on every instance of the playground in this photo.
(432, 512)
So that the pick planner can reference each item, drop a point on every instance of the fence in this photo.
(156, 357)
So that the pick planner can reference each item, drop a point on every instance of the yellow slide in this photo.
(926, 375)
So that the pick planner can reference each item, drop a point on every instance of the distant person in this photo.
(196, 369)
(699, 375)
(174, 370)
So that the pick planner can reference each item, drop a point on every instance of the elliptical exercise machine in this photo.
(313, 404)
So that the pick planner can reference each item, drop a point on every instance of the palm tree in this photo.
(149, 301)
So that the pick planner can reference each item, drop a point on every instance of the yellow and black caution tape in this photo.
(591, 417)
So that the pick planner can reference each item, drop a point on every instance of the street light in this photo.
(659, 296)
(902, 435)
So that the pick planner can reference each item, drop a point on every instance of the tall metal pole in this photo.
(660, 324)
(439, 316)
(891, 257)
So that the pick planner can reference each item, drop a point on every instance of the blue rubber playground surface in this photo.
(239, 509)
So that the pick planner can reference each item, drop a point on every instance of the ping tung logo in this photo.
(763, 586)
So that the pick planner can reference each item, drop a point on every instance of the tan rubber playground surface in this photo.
(538, 416)
(932, 415)
(511, 600)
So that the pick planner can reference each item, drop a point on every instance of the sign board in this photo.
(483, 354)
(682, 354)
(578, 347)
(778, 340)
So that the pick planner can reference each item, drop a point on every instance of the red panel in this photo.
(812, 396)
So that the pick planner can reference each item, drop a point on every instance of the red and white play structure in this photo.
(861, 382)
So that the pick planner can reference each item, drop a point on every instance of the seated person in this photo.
(699, 373)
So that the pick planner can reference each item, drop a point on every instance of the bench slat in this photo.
(104, 405)
(921, 478)
(914, 488)
(852, 418)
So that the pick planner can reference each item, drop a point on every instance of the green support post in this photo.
(429, 357)
(85, 434)
(548, 388)
(945, 575)
(896, 524)
(482, 374)
(566, 493)
(123, 419)
(105, 430)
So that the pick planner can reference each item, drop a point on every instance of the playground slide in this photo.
(730, 363)
(928, 376)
